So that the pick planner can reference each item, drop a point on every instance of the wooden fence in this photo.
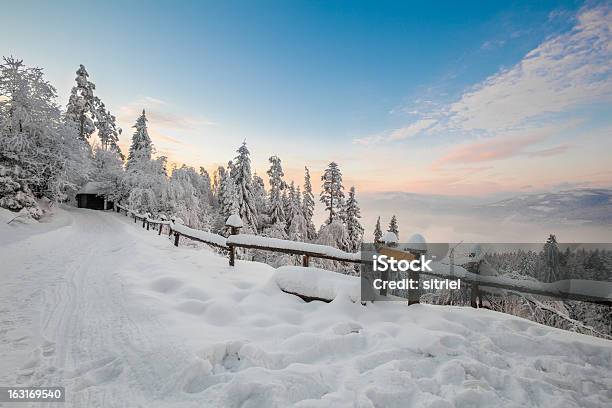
(561, 289)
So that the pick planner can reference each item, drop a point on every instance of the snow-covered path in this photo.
(124, 319)
(74, 323)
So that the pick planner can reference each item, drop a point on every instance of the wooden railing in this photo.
(237, 240)
(561, 289)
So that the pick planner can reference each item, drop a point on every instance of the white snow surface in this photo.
(122, 318)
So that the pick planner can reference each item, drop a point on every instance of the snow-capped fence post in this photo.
(176, 238)
(235, 223)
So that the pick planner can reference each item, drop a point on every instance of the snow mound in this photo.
(317, 283)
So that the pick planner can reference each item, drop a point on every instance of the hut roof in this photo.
(92, 187)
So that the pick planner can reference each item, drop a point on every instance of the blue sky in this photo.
(464, 98)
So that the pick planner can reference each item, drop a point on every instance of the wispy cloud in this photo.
(405, 132)
(159, 115)
(553, 151)
(492, 44)
(509, 144)
(562, 74)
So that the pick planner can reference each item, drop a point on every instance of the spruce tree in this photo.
(308, 204)
(259, 194)
(276, 211)
(377, 231)
(241, 173)
(332, 191)
(353, 226)
(142, 147)
(289, 201)
(552, 255)
(393, 226)
(297, 228)
(83, 104)
(108, 131)
(228, 202)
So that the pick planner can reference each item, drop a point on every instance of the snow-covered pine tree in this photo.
(393, 226)
(108, 131)
(551, 254)
(39, 153)
(297, 228)
(141, 148)
(276, 211)
(228, 202)
(289, 201)
(241, 173)
(218, 175)
(377, 232)
(82, 104)
(205, 187)
(353, 226)
(259, 194)
(308, 205)
(332, 191)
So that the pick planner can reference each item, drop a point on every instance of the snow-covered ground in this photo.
(121, 317)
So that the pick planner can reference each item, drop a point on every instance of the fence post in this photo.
(176, 238)
(147, 225)
(305, 259)
(134, 218)
(235, 223)
(232, 249)
(161, 226)
(474, 295)
(414, 295)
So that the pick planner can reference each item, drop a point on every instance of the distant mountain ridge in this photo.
(593, 205)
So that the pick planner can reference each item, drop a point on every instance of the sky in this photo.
(450, 98)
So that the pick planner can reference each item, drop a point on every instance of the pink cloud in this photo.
(553, 151)
(497, 148)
